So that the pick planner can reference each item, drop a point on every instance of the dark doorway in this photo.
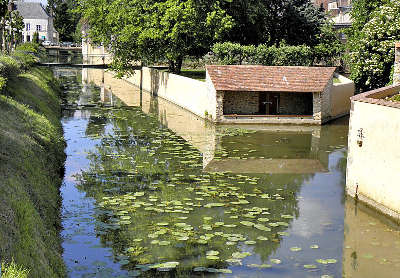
(262, 103)
(268, 103)
(273, 103)
(28, 38)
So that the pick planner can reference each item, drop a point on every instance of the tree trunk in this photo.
(171, 66)
(178, 64)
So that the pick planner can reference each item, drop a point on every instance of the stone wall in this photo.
(241, 103)
(296, 104)
(322, 103)
(326, 102)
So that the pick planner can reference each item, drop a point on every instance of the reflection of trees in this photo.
(139, 155)
(96, 124)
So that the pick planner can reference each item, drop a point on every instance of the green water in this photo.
(151, 190)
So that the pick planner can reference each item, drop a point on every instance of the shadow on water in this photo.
(152, 190)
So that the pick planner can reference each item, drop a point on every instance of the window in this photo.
(28, 27)
(38, 28)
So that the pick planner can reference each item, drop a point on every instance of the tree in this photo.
(372, 48)
(153, 31)
(329, 49)
(3, 12)
(35, 38)
(65, 19)
(296, 22)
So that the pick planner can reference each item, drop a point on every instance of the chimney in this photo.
(396, 74)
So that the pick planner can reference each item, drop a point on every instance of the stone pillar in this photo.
(396, 74)
(220, 106)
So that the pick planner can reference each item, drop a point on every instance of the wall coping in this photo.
(377, 96)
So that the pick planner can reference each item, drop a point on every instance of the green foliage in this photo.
(330, 48)
(28, 47)
(31, 140)
(35, 38)
(284, 55)
(395, 98)
(155, 30)
(269, 21)
(372, 49)
(11, 27)
(9, 67)
(65, 19)
(12, 270)
(3, 83)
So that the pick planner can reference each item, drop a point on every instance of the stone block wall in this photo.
(322, 103)
(296, 104)
(245, 103)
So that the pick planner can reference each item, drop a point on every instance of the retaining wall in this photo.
(340, 97)
(187, 93)
(373, 161)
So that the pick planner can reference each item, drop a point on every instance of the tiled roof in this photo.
(31, 10)
(270, 79)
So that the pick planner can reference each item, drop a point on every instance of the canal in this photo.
(150, 190)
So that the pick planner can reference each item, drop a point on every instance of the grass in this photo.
(194, 74)
(12, 270)
(31, 168)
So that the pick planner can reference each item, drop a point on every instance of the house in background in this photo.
(36, 19)
(277, 94)
(339, 12)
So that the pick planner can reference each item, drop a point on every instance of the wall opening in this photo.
(268, 103)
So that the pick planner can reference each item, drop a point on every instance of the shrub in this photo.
(25, 59)
(233, 53)
(28, 47)
(35, 38)
(9, 67)
(3, 83)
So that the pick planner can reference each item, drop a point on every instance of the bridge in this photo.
(64, 48)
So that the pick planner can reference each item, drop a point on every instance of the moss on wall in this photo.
(31, 167)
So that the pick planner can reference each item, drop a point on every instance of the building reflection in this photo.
(371, 243)
(279, 149)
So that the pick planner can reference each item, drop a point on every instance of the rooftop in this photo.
(31, 10)
(270, 78)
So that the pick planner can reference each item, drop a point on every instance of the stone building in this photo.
(272, 94)
(36, 19)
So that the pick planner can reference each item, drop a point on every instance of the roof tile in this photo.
(270, 78)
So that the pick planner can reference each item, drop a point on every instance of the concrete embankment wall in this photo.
(340, 97)
(31, 168)
(373, 163)
(187, 93)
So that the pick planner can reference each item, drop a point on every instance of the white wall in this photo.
(187, 93)
(340, 97)
(373, 169)
(33, 22)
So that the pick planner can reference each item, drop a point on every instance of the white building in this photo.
(36, 19)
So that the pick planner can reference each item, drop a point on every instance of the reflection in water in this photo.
(371, 243)
(152, 183)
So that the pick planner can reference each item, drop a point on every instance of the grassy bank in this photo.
(31, 163)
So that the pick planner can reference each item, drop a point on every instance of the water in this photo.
(151, 190)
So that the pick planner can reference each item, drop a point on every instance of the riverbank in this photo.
(31, 168)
